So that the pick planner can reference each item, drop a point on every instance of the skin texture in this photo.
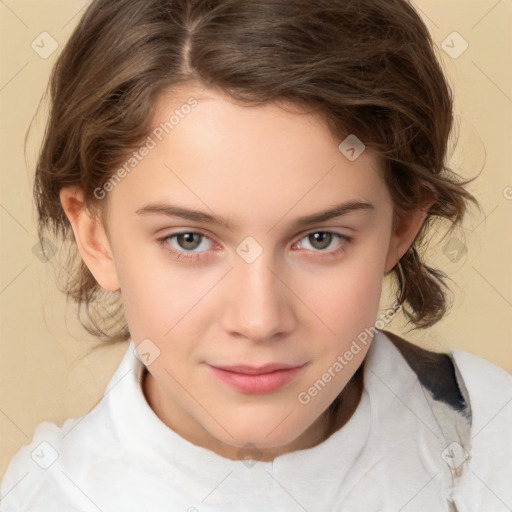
(260, 167)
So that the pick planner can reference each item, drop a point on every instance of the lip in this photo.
(256, 380)
(256, 370)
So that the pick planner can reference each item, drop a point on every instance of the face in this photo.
(250, 280)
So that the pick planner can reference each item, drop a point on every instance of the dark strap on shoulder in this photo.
(448, 397)
(435, 371)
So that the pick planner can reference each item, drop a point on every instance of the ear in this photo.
(405, 234)
(91, 238)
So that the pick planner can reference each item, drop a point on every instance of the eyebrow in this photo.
(207, 218)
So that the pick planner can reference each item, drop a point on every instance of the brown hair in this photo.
(369, 67)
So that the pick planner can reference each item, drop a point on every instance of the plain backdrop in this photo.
(47, 372)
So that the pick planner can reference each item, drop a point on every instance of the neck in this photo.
(330, 421)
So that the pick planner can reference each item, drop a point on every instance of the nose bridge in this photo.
(260, 281)
(259, 306)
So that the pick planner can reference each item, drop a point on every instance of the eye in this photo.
(185, 242)
(321, 240)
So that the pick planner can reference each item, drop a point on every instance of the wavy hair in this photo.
(369, 67)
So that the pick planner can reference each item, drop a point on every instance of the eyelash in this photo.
(183, 255)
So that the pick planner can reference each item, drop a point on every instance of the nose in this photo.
(259, 304)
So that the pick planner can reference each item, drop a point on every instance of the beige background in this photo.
(47, 373)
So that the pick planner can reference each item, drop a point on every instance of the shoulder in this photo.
(87, 452)
(444, 374)
(490, 391)
(486, 485)
(38, 476)
(478, 370)
(482, 392)
(29, 472)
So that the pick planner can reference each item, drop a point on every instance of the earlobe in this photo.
(91, 238)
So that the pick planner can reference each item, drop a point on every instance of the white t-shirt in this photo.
(390, 455)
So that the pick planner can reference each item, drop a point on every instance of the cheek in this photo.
(351, 307)
(162, 301)
(149, 298)
(144, 279)
(346, 297)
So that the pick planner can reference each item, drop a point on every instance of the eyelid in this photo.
(187, 232)
(300, 236)
(195, 256)
(183, 255)
(341, 237)
(327, 229)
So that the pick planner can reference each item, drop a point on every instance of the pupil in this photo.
(188, 239)
(323, 238)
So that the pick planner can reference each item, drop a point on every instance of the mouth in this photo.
(265, 379)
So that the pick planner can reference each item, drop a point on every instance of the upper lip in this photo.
(257, 370)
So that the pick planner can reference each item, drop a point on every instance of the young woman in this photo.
(240, 178)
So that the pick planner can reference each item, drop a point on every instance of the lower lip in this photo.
(257, 384)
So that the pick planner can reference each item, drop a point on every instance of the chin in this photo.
(260, 434)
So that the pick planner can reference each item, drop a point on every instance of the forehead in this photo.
(199, 116)
(239, 159)
(219, 102)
